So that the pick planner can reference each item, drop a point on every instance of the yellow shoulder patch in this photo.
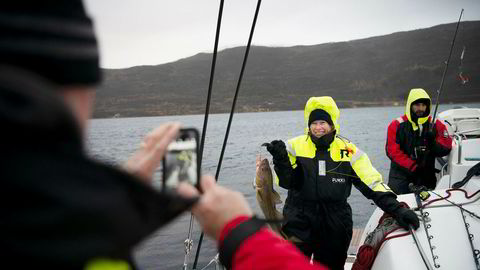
(341, 150)
(107, 264)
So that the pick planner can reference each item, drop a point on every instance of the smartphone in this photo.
(181, 162)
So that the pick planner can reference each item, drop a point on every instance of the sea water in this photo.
(114, 140)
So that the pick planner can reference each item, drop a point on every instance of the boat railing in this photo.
(444, 167)
(459, 137)
(467, 131)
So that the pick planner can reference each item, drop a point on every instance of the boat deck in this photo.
(355, 243)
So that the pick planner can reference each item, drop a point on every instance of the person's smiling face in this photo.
(319, 128)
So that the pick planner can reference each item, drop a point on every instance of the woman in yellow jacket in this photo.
(318, 169)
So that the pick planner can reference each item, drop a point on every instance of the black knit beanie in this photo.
(320, 114)
(52, 38)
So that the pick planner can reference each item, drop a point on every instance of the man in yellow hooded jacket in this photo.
(412, 144)
(318, 169)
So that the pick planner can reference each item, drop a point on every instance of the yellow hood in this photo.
(416, 94)
(325, 103)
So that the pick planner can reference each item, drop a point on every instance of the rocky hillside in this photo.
(374, 71)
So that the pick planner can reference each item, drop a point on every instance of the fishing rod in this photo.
(445, 71)
(247, 51)
(189, 242)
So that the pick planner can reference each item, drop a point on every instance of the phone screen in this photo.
(181, 160)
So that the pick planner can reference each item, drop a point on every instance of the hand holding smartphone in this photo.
(181, 162)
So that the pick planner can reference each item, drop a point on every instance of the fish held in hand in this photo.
(267, 197)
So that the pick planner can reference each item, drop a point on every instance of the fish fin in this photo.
(257, 161)
(276, 197)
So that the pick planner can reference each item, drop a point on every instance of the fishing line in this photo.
(231, 114)
(445, 70)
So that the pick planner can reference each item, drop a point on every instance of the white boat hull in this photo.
(449, 237)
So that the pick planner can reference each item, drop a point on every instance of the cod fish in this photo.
(267, 197)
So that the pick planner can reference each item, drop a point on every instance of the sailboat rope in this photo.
(449, 192)
(426, 219)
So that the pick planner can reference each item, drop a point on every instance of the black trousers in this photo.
(325, 229)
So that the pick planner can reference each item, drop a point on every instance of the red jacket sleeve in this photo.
(393, 148)
(264, 250)
(442, 138)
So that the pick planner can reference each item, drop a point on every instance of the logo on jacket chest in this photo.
(346, 152)
(338, 180)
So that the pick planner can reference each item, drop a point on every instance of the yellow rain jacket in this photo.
(328, 175)
(319, 176)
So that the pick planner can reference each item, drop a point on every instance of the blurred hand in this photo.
(430, 135)
(217, 205)
(277, 149)
(152, 150)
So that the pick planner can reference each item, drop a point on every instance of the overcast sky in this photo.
(151, 32)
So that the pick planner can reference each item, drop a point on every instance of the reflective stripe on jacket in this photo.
(344, 164)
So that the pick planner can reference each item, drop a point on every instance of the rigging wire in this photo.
(420, 248)
(425, 227)
(457, 205)
(448, 191)
(475, 252)
(189, 241)
(231, 114)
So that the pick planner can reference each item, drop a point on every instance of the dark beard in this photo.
(420, 114)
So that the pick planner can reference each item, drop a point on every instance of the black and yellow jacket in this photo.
(345, 164)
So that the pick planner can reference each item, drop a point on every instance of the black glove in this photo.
(430, 136)
(406, 217)
(388, 203)
(278, 150)
(417, 175)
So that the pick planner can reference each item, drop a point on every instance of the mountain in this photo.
(373, 71)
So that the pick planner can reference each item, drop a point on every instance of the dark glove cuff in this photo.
(387, 201)
(282, 162)
(233, 240)
(399, 211)
(281, 156)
